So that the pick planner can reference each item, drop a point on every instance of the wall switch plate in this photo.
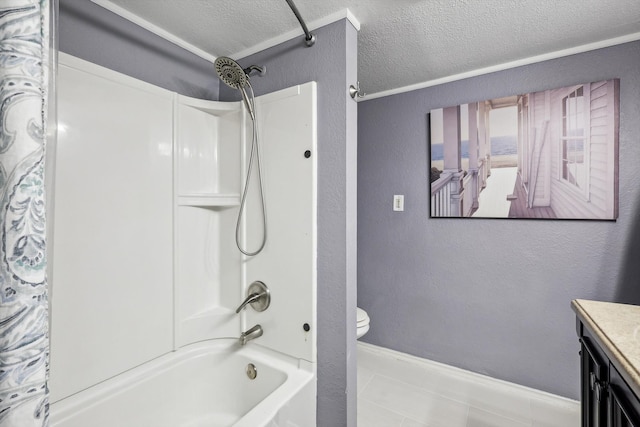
(398, 203)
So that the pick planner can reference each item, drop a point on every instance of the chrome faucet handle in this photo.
(258, 296)
(250, 299)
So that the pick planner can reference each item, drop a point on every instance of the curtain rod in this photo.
(309, 38)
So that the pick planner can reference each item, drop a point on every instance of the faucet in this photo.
(251, 334)
(258, 296)
(251, 298)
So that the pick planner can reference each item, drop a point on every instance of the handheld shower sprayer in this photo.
(230, 72)
(234, 76)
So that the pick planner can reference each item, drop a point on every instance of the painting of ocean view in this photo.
(503, 137)
(504, 153)
(544, 155)
(500, 146)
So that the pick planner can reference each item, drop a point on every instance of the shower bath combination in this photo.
(234, 76)
(196, 277)
(188, 156)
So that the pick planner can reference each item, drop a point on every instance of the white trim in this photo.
(132, 17)
(352, 18)
(507, 65)
(122, 12)
(469, 377)
(314, 25)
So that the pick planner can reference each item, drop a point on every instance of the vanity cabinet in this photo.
(607, 399)
(624, 405)
(594, 377)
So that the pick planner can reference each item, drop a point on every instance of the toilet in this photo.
(362, 325)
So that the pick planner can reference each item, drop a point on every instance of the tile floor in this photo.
(396, 390)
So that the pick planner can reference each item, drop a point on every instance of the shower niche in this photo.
(208, 145)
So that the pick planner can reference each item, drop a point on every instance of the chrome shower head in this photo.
(230, 72)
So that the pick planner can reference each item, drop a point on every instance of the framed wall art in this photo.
(548, 155)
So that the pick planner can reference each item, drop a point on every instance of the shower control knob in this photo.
(258, 296)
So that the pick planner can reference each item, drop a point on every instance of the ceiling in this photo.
(403, 43)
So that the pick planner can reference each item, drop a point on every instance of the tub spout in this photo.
(251, 334)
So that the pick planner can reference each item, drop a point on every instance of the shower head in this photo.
(230, 72)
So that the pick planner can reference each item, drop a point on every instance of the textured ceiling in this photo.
(404, 42)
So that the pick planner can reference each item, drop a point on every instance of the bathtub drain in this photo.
(252, 372)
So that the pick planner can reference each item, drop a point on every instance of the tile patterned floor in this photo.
(398, 391)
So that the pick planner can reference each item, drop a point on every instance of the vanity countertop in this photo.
(617, 328)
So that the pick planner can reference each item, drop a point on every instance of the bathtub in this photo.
(201, 385)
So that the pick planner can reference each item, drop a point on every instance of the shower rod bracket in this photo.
(309, 38)
(355, 92)
(310, 41)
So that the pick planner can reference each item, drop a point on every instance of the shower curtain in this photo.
(24, 347)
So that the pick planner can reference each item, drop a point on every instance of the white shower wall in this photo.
(212, 274)
(112, 283)
(287, 130)
(209, 148)
(147, 194)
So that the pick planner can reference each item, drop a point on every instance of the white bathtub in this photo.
(201, 385)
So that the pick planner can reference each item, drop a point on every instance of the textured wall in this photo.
(491, 296)
(331, 63)
(95, 34)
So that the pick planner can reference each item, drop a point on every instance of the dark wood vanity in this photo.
(609, 335)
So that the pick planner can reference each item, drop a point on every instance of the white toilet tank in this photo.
(362, 322)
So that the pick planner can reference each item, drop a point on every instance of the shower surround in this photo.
(145, 264)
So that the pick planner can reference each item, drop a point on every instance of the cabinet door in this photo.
(623, 403)
(594, 389)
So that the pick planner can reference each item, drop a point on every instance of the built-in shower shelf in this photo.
(215, 108)
(209, 200)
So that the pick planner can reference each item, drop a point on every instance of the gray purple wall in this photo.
(97, 35)
(92, 33)
(490, 296)
(332, 63)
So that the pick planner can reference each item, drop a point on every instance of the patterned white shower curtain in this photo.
(24, 341)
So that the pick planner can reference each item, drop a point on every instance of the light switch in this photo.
(398, 202)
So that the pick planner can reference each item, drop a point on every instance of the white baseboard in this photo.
(514, 401)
